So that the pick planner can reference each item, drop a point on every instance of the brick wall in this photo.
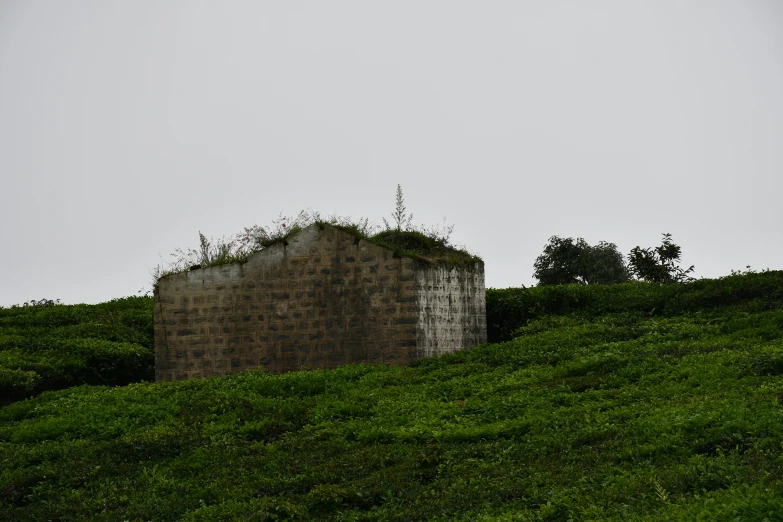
(451, 308)
(322, 300)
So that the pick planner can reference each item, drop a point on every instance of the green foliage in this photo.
(626, 402)
(237, 248)
(512, 308)
(430, 244)
(659, 264)
(566, 261)
(45, 345)
(427, 248)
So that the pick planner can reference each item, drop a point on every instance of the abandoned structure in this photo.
(321, 299)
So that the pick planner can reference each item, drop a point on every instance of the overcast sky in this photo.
(126, 127)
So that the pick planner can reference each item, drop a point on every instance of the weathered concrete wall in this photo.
(451, 309)
(322, 300)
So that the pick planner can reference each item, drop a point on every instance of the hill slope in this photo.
(49, 346)
(622, 413)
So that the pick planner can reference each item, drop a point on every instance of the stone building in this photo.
(321, 299)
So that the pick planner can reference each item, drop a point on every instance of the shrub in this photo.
(53, 346)
(660, 264)
(512, 308)
(567, 261)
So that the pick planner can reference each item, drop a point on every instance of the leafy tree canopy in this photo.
(660, 264)
(569, 260)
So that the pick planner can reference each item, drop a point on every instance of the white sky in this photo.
(126, 127)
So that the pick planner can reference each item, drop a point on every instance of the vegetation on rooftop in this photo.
(429, 244)
(430, 249)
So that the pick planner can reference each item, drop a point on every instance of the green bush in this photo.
(512, 308)
(52, 346)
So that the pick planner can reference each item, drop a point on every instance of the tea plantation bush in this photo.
(511, 308)
(49, 346)
(619, 413)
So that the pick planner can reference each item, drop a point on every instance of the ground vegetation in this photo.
(46, 345)
(639, 401)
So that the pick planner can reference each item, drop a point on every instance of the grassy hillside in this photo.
(49, 346)
(601, 412)
(512, 308)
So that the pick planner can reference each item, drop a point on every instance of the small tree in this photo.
(606, 265)
(659, 264)
(568, 260)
